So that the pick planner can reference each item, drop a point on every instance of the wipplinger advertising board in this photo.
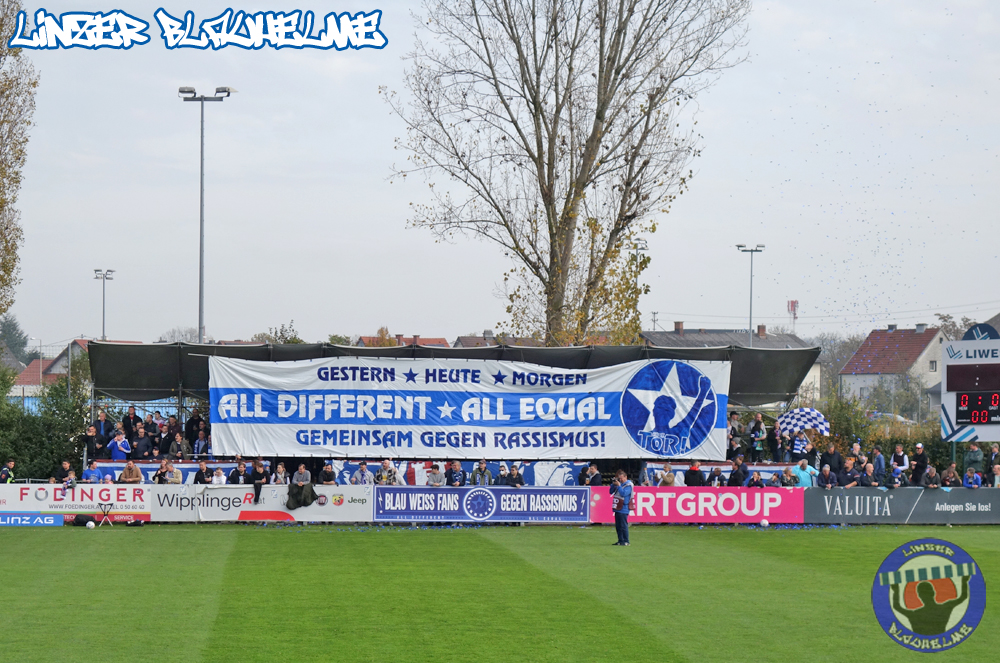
(208, 503)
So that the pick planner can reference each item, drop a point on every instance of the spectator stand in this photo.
(414, 472)
(188, 468)
(652, 469)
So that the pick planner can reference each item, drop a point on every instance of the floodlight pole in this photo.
(104, 275)
(189, 94)
(743, 249)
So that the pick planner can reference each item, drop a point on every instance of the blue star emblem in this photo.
(411, 376)
(498, 378)
(479, 504)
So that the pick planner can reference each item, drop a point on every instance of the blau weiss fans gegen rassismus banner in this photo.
(458, 408)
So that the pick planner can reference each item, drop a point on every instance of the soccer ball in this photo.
(764, 523)
(91, 525)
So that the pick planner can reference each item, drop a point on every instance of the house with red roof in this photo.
(399, 339)
(892, 352)
(75, 351)
(488, 339)
(29, 381)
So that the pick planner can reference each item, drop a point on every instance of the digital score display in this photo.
(977, 407)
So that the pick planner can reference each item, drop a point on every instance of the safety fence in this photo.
(47, 504)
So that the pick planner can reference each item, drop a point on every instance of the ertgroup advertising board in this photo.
(348, 407)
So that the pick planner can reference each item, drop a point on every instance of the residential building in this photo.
(893, 352)
(60, 365)
(434, 342)
(28, 383)
(8, 360)
(488, 339)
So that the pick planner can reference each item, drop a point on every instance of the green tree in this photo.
(277, 335)
(339, 339)
(18, 82)
(39, 442)
(65, 405)
(849, 422)
(898, 394)
(555, 131)
(16, 339)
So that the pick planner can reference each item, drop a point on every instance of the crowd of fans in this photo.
(156, 438)
(832, 469)
(150, 439)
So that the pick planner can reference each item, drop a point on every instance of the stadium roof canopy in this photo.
(158, 371)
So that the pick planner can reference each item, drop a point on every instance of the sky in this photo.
(858, 142)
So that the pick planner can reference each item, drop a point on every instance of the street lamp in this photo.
(188, 94)
(637, 246)
(104, 276)
(759, 249)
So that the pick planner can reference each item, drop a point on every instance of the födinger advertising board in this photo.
(704, 505)
(482, 504)
(128, 502)
(200, 503)
(468, 409)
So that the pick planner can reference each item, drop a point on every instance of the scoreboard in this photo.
(970, 390)
(977, 407)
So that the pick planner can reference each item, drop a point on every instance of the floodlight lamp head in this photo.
(760, 246)
(108, 273)
(185, 92)
(98, 274)
(741, 246)
(225, 91)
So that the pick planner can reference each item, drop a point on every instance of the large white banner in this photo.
(351, 407)
(201, 503)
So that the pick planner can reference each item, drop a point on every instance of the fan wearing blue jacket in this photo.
(120, 448)
(621, 488)
(972, 479)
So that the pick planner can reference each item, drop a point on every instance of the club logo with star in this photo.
(479, 504)
(669, 408)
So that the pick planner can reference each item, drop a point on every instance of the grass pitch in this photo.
(328, 593)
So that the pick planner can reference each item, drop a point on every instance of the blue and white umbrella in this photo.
(804, 418)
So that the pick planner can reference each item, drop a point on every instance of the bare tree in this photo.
(283, 334)
(17, 105)
(954, 329)
(179, 334)
(557, 125)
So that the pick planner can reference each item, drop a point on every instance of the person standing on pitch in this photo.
(621, 495)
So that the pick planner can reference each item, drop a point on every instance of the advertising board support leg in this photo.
(180, 403)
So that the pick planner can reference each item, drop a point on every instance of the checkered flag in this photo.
(804, 418)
